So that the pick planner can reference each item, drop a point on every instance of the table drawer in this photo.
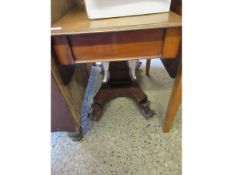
(117, 45)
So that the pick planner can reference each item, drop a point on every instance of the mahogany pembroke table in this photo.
(76, 40)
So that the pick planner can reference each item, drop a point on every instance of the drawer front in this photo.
(117, 45)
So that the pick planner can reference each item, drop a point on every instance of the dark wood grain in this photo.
(119, 72)
(120, 85)
(112, 45)
(176, 6)
(66, 72)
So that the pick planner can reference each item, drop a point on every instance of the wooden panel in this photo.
(77, 22)
(73, 93)
(59, 8)
(171, 42)
(61, 118)
(62, 50)
(117, 45)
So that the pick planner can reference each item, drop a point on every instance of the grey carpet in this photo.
(123, 141)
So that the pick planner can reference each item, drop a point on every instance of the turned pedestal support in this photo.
(121, 83)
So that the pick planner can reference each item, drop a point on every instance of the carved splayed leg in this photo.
(145, 106)
(99, 101)
(140, 97)
(120, 81)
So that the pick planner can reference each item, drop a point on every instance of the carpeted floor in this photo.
(123, 141)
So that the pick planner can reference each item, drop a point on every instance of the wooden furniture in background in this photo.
(148, 62)
(175, 100)
(174, 68)
(73, 94)
(65, 113)
(73, 39)
(171, 65)
(61, 118)
(176, 6)
(60, 7)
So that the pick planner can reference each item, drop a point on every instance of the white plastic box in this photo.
(115, 8)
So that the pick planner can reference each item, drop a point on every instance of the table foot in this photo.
(146, 111)
(76, 136)
(109, 91)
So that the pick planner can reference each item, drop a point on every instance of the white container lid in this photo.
(115, 8)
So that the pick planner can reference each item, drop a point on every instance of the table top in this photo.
(77, 22)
